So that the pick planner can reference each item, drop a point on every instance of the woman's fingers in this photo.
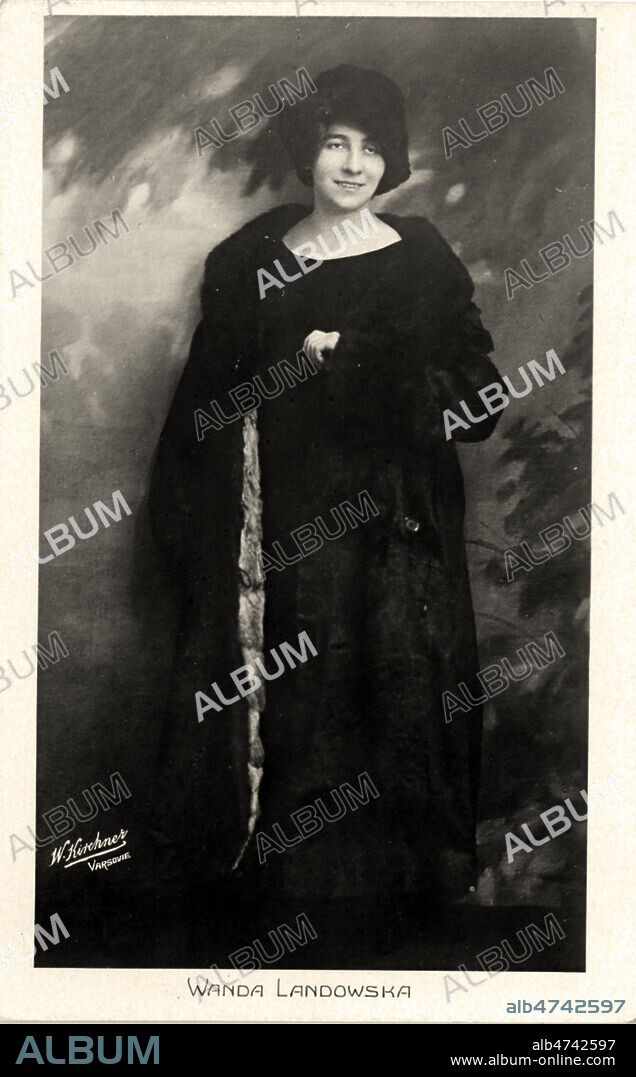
(312, 345)
(310, 350)
(317, 343)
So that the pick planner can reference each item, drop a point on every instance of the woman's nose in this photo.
(353, 163)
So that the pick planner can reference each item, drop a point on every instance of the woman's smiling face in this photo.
(348, 168)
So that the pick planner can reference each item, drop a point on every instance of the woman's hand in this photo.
(317, 344)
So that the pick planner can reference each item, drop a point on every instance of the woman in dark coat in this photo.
(394, 339)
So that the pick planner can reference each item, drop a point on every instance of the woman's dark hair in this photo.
(360, 98)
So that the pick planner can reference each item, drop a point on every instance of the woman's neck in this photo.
(325, 217)
(323, 227)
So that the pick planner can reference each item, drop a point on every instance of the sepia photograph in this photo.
(314, 499)
(315, 462)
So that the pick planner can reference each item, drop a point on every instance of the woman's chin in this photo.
(349, 201)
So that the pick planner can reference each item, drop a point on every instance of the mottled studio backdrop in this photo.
(123, 138)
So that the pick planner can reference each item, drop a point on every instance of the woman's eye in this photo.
(372, 149)
(334, 145)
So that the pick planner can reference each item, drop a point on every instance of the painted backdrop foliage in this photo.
(123, 138)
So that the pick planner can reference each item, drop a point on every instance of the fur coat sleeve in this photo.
(188, 469)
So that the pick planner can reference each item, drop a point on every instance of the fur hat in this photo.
(357, 96)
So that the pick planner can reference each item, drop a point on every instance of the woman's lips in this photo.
(350, 186)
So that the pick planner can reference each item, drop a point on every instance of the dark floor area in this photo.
(139, 931)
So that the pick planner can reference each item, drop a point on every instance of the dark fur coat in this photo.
(413, 347)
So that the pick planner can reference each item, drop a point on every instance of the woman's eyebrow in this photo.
(345, 138)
